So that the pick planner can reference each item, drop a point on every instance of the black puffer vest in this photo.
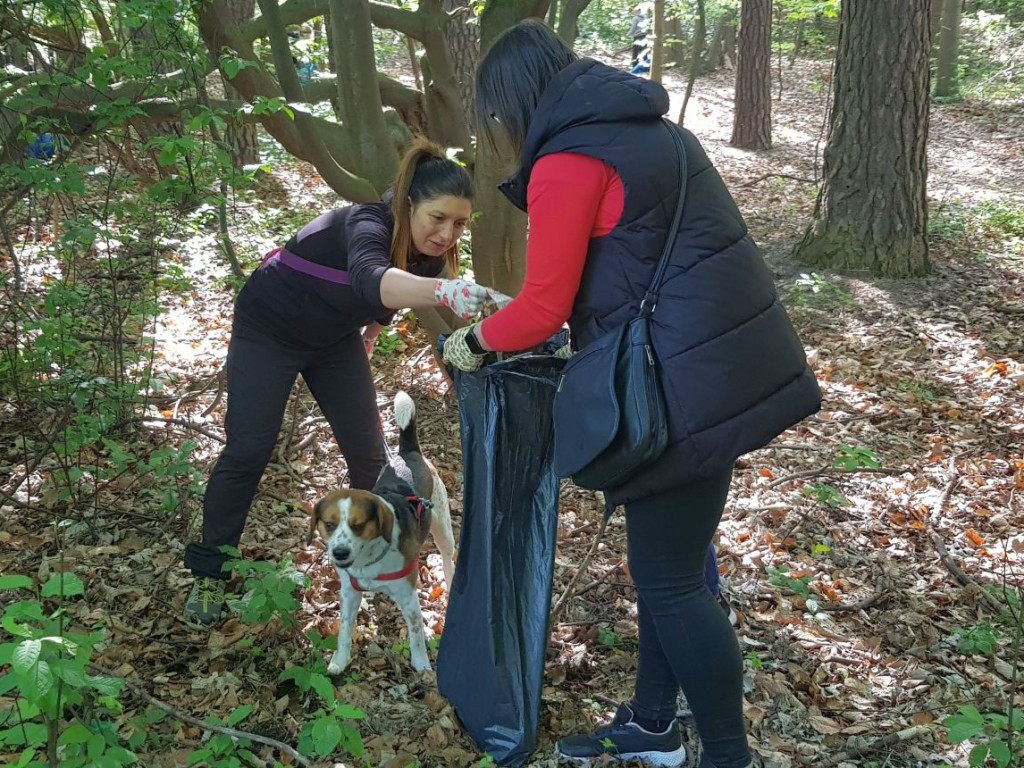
(734, 372)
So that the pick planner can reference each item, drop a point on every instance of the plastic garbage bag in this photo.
(490, 664)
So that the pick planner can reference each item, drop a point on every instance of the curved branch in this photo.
(299, 11)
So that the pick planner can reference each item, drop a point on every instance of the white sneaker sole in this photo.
(675, 759)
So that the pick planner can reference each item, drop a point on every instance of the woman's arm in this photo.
(571, 199)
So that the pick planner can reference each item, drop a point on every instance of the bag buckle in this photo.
(650, 301)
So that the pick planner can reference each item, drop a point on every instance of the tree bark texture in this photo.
(723, 42)
(872, 211)
(242, 136)
(658, 41)
(949, 41)
(568, 21)
(752, 120)
(463, 36)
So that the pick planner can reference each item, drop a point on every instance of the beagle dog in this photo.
(374, 538)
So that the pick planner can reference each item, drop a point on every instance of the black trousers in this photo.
(686, 640)
(260, 375)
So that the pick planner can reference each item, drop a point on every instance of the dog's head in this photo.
(355, 525)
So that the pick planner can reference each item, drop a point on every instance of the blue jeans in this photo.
(686, 640)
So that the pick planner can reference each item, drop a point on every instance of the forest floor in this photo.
(853, 546)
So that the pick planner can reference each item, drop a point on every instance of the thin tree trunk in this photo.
(717, 46)
(658, 44)
(872, 211)
(752, 123)
(699, 33)
(568, 20)
(949, 41)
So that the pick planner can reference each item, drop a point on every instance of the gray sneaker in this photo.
(205, 602)
(623, 740)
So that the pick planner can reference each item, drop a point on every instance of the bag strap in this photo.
(650, 300)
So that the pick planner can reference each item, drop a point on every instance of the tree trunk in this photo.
(658, 41)
(676, 51)
(949, 40)
(499, 234)
(725, 25)
(463, 36)
(375, 157)
(241, 136)
(752, 123)
(699, 33)
(568, 21)
(935, 20)
(872, 211)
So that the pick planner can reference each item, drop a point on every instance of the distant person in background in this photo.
(638, 33)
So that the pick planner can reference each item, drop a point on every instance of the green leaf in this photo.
(15, 581)
(1000, 753)
(962, 731)
(76, 733)
(37, 682)
(26, 758)
(111, 686)
(326, 735)
(240, 714)
(348, 712)
(322, 685)
(978, 755)
(63, 583)
(26, 655)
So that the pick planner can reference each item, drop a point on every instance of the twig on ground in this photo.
(600, 579)
(940, 546)
(860, 605)
(557, 610)
(830, 470)
(187, 425)
(763, 176)
(884, 742)
(232, 732)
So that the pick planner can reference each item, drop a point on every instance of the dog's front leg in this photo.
(349, 607)
(409, 603)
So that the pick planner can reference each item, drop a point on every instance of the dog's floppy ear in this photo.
(385, 519)
(314, 518)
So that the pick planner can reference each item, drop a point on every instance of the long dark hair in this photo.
(424, 173)
(512, 77)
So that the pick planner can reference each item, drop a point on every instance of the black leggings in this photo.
(686, 640)
(260, 375)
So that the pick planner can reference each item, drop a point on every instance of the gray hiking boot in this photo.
(205, 602)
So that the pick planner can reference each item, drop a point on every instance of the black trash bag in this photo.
(490, 664)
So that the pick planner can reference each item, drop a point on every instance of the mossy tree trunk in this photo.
(872, 212)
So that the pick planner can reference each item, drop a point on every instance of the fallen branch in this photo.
(762, 177)
(830, 470)
(940, 546)
(187, 425)
(885, 742)
(860, 605)
(600, 579)
(557, 610)
(232, 732)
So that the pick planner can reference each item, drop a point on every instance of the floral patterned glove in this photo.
(457, 353)
(464, 298)
(564, 352)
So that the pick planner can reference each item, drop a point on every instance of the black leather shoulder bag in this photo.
(609, 409)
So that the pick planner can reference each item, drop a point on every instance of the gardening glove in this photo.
(464, 298)
(564, 352)
(457, 352)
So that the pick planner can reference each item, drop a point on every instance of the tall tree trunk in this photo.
(935, 20)
(241, 136)
(752, 123)
(699, 33)
(949, 40)
(658, 41)
(463, 36)
(872, 211)
(675, 50)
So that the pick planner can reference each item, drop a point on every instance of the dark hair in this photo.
(424, 173)
(513, 76)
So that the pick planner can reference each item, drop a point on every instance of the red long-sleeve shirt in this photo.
(571, 199)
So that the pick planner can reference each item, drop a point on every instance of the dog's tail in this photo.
(405, 417)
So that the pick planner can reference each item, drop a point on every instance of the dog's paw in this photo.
(338, 664)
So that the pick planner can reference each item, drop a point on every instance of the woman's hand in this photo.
(463, 297)
(457, 352)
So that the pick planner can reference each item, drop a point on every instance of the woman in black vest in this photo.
(599, 178)
(315, 308)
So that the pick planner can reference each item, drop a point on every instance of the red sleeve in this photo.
(571, 198)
